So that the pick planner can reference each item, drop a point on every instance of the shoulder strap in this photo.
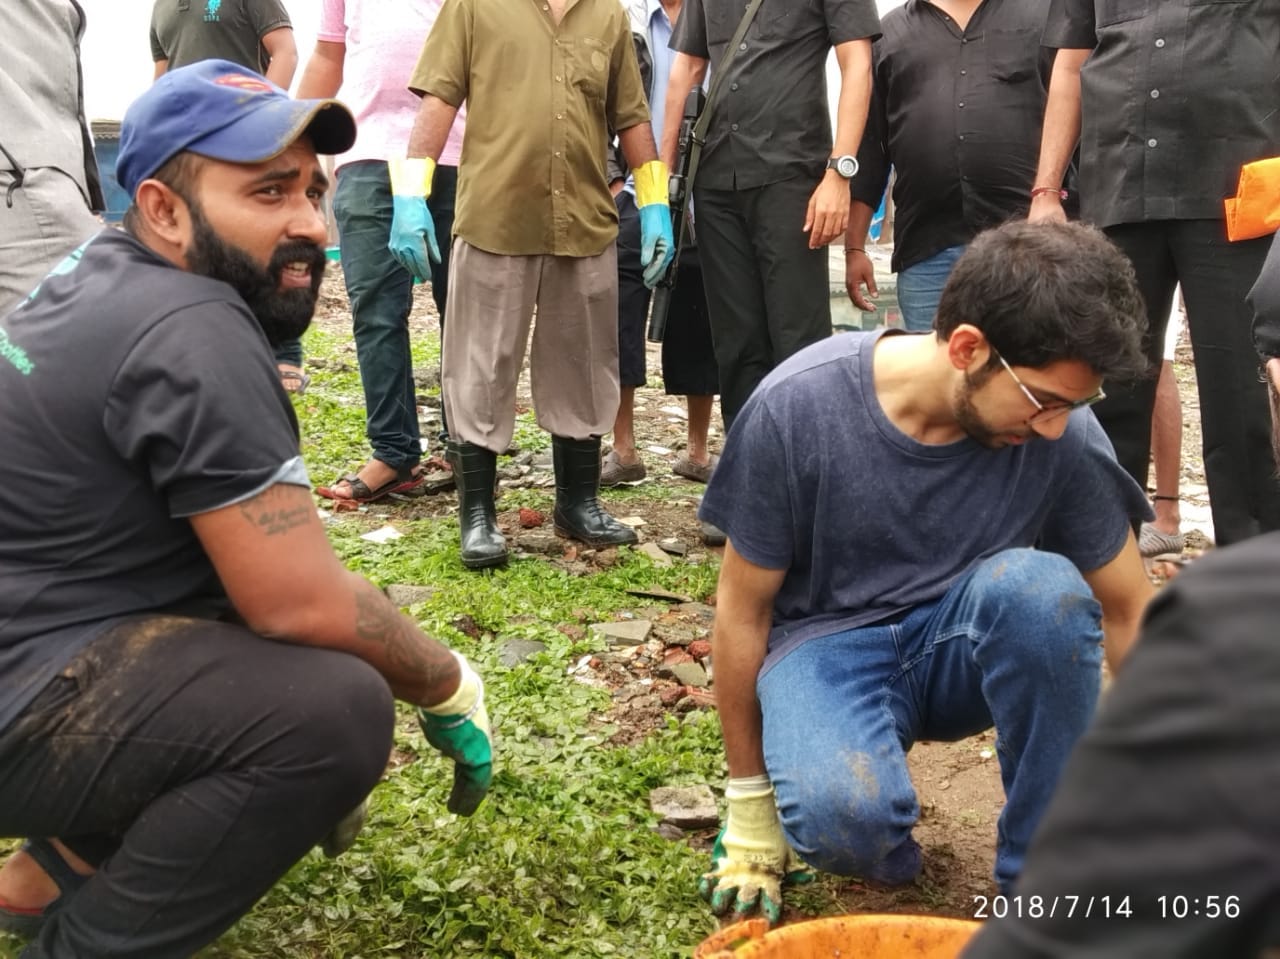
(704, 119)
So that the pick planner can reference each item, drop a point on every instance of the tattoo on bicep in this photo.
(272, 517)
(381, 624)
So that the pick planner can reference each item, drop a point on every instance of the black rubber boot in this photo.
(475, 471)
(579, 514)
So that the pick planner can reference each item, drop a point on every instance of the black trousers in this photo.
(1235, 420)
(768, 293)
(193, 763)
(688, 360)
(1167, 806)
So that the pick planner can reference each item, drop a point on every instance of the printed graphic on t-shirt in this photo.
(211, 11)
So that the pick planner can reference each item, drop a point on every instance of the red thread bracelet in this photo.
(1036, 191)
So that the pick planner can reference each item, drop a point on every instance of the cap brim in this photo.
(267, 130)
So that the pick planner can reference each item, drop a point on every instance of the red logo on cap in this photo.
(244, 82)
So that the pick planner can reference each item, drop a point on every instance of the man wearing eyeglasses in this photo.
(881, 495)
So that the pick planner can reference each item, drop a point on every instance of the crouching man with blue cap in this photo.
(193, 690)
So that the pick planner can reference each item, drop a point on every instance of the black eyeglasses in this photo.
(1044, 414)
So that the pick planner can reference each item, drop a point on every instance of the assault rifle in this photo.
(679, 190)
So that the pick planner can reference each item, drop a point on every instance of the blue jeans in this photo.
(381, 295)
(1015, 643)
(920, 288)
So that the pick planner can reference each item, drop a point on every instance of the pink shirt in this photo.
(384, 39)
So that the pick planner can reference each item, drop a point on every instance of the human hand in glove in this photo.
(657, 241)
(413, 232)
(459, 728)
(751, 858)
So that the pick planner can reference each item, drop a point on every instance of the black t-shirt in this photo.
(132, 395)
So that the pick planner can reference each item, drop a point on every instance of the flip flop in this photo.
(28, 922)
(404, 481)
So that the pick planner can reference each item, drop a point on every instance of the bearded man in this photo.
(881, 494)
(193, 690)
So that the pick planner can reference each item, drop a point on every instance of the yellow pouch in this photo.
(651, 183)
(1255, 209)
(411, 176)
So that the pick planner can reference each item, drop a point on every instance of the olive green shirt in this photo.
(541, 100)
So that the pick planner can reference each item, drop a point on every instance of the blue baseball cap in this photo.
(220, 110)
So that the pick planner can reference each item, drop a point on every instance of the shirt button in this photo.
(960, 104)
(962, 137)
(734, 128)
(557, 192)
(1159, 42)
(1152, 142)
(742, 46)
(964, 73)
(733, 86)
(1155, 94)
(557, 153)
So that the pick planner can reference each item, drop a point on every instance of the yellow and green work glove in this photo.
(657, 242)
(413, 232)
(459, 728)
(751, 858)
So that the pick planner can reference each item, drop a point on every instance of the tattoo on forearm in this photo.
(272, 517)
(414, 657)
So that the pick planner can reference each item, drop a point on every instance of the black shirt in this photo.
(771, 120)
(1176, 97)
(1264, 298)
(958, 114)
(133, 395)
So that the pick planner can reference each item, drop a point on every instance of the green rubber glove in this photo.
(459, 728)
(413, 232)
(751, 858)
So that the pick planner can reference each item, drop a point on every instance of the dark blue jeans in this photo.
(1014, 643)
(381, 295)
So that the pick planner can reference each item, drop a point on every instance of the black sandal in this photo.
(28, 922)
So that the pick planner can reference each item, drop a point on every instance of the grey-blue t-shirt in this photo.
(869, 522)
(132, 395)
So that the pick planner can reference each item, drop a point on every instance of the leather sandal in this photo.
(407, 478)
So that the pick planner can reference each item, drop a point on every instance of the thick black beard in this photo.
(283, 314)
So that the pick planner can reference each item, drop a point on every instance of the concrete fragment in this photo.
(655, 553)
(403, 595)
(690, 674)
(513, 652)
(689, 807)
(628, 633)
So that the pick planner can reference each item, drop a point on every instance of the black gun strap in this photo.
(704, 118)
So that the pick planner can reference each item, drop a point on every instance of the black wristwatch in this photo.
(846, 166)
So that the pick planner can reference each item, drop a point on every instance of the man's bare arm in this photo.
(431, 128)
(283, 51)
(1123, 589)
(686, 73)
(744, 614)
(1060, 134)
(287, 584)
(162, 67)
(637, 144)
(322, 76)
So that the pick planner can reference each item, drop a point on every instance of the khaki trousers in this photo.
(573, 365)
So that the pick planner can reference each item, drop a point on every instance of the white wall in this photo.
(117, 53)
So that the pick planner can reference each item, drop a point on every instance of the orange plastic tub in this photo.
(842, 937)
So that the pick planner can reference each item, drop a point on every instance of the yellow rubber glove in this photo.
(751, 857)
(413, 232)
(657, 239)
